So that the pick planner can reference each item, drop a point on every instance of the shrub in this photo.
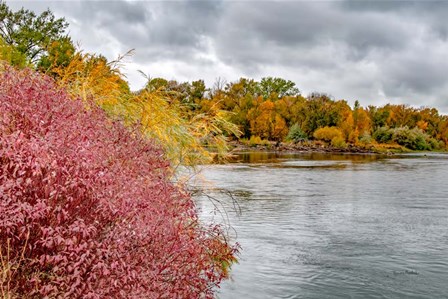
(353, 137)
(338, 142)
(414, 139)
(87, 208)
(256, 140)
(433, 143)
(383, 134)
(296, 134)
(365, 138)
(328, 133)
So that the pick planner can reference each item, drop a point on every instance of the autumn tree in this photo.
(400, 116)
(10, 55)
(442, 130)
(322, 111)
(266, 122)
(59, 55)
(428, 120)
(347, 125)
(260, 119)
(362, 121)
(238, 99)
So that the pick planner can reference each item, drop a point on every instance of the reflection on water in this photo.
(335, 226)
(275, 157)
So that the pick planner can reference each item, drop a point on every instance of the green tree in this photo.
(29, 33)
(278, 86)
(378, 116)
(296, 134)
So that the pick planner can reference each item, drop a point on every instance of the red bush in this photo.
(86, 208)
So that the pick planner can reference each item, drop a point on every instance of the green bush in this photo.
(296, 134)
(383, 135)
(365, 138)
(433, 143)
(414, 139)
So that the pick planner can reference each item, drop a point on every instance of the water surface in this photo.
(334, 226)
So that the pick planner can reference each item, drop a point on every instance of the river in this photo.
(333, 226)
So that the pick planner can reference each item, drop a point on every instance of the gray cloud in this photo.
(372, 51)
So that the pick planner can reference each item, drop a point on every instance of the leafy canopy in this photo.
(29, 33)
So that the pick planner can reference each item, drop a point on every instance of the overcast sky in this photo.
(372, 51)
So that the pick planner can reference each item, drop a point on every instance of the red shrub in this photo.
(86, 208)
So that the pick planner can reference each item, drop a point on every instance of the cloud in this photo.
(372, 51)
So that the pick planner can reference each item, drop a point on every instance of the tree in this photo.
(59, 54)
(260, 118)
(322, 111)
(378, 116)
(278, 86)
(363, 122)
(296, 134)
(29, 33)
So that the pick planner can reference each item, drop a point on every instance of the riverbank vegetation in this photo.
(188, 117)
(88, 206)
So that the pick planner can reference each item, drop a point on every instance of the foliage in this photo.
(11, 56)
(256, 140)
(328, 134)
(433, 144)
(160, 109)
(92, 78)
(212, 128)
(87, 209)
(414, 139)
(296, 134)
(353, 137)
(383, 135)
(266, 122)
(338, 142)
(276, 87)
(366, 138)
(28, 33)
(59, 55)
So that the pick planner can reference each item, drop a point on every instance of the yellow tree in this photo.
(363, 123)
(347, 125)
(260, 118)
(279, 128)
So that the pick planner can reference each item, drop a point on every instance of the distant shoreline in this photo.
(237, 147)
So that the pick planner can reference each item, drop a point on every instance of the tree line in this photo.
(185, 116)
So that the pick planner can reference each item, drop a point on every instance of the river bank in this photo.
(315, 147)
